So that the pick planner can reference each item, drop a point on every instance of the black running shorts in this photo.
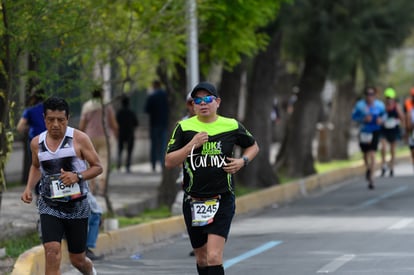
(74, 230)
(220, 226)
(373, 145)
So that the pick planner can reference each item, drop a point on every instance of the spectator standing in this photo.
(189, 107)
(92, 123)
(157, 108)
(63, 159)
(204, 145)
(369, 113)
(32, 123)
(390, 131)
(128, 122)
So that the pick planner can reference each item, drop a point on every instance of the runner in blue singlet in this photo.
(369, 113)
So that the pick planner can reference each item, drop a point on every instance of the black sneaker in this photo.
(391, 173)
(191, 254)
(371, 185)
(368, 174)
(92, 256)
(383, 170)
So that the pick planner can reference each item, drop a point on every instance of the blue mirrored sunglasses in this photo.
(207, 99)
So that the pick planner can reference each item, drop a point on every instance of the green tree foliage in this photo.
(347, 32)
(229, 30)
(66, 39)
(40, 29)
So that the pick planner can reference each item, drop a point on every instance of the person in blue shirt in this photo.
(369, 112)
(157, 108)
(32, 118)
(32, 122)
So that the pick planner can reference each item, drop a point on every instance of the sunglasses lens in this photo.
(206, 99)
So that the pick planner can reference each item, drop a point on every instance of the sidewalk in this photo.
(129, 193)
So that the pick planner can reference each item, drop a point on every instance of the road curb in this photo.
(31, 262)
(293, 190)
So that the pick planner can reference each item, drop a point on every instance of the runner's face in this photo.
(56, 123)
(206, 109)
(389, 101)
(370, 96)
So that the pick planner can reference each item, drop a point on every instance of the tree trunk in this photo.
(285, 83)
(6, 85)
(295, 157)
(32, 65)
(340, 117)
(176, 96)
(230, 90)
(108, 202)
(261, 91)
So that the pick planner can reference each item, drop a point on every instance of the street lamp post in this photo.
(192, 45)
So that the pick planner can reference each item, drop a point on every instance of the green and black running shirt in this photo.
(203, 168)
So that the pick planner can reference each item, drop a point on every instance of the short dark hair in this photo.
(56, 104)
(156, 83)
(370, 90)
(125, 101)
(36, 96)
(97, 92)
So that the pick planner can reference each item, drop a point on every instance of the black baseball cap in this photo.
(206, 86)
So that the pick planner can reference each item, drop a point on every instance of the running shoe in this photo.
(383, 170)
(371, 185)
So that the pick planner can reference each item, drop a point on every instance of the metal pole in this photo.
(192, 45)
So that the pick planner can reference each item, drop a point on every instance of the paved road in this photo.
(344, 229)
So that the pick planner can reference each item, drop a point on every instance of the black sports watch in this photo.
(80, 177)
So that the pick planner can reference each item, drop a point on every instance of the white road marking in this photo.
(400, 224)
(336, 263)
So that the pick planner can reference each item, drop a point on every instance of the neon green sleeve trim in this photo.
(221, 125)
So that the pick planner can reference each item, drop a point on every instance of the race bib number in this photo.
(59, 190)
(365, 137)
(203, 212)
(390, 123)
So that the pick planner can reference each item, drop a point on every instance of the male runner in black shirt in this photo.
(204, 144)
